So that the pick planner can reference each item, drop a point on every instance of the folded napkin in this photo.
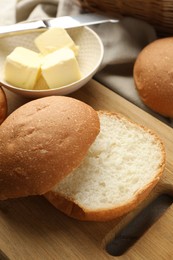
(122, 43)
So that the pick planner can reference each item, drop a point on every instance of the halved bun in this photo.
(122, 166)
(43, 141)
(3, 106)
(153, 76)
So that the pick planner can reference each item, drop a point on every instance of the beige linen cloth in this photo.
(122, 42)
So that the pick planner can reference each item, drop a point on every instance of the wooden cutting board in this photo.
(31, 228)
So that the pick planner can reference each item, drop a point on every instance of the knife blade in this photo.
(65, 21)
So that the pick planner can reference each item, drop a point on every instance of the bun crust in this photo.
(122, 166)
(153, 76)
(3, 105)
(71, 209)
(42, 142)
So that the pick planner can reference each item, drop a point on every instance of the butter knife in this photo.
(64, 21)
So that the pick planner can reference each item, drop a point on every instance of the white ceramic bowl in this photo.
(89, 58)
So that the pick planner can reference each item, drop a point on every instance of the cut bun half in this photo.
(121, 167)
(43, 141)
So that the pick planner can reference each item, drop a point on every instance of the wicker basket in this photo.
(159, 13)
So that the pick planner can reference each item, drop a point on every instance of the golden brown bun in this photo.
(42, 142)
(3, 105)
(153, 76)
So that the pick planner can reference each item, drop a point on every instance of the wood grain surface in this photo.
(31, 228)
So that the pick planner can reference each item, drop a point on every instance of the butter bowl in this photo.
(90, 55)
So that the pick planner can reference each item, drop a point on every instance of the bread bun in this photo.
(43, 141)
(3, 105)
(122, 166)
(153, 76)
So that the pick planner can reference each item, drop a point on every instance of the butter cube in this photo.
(22, 68)
(54, 39)
(60, 68)
(41, 84)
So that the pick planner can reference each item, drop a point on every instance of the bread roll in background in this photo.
(43, 141)
(3, 105)
(121, 167)
(153, 76)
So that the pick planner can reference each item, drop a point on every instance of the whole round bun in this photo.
(3, 105)
(153, 76)
(43, 141)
